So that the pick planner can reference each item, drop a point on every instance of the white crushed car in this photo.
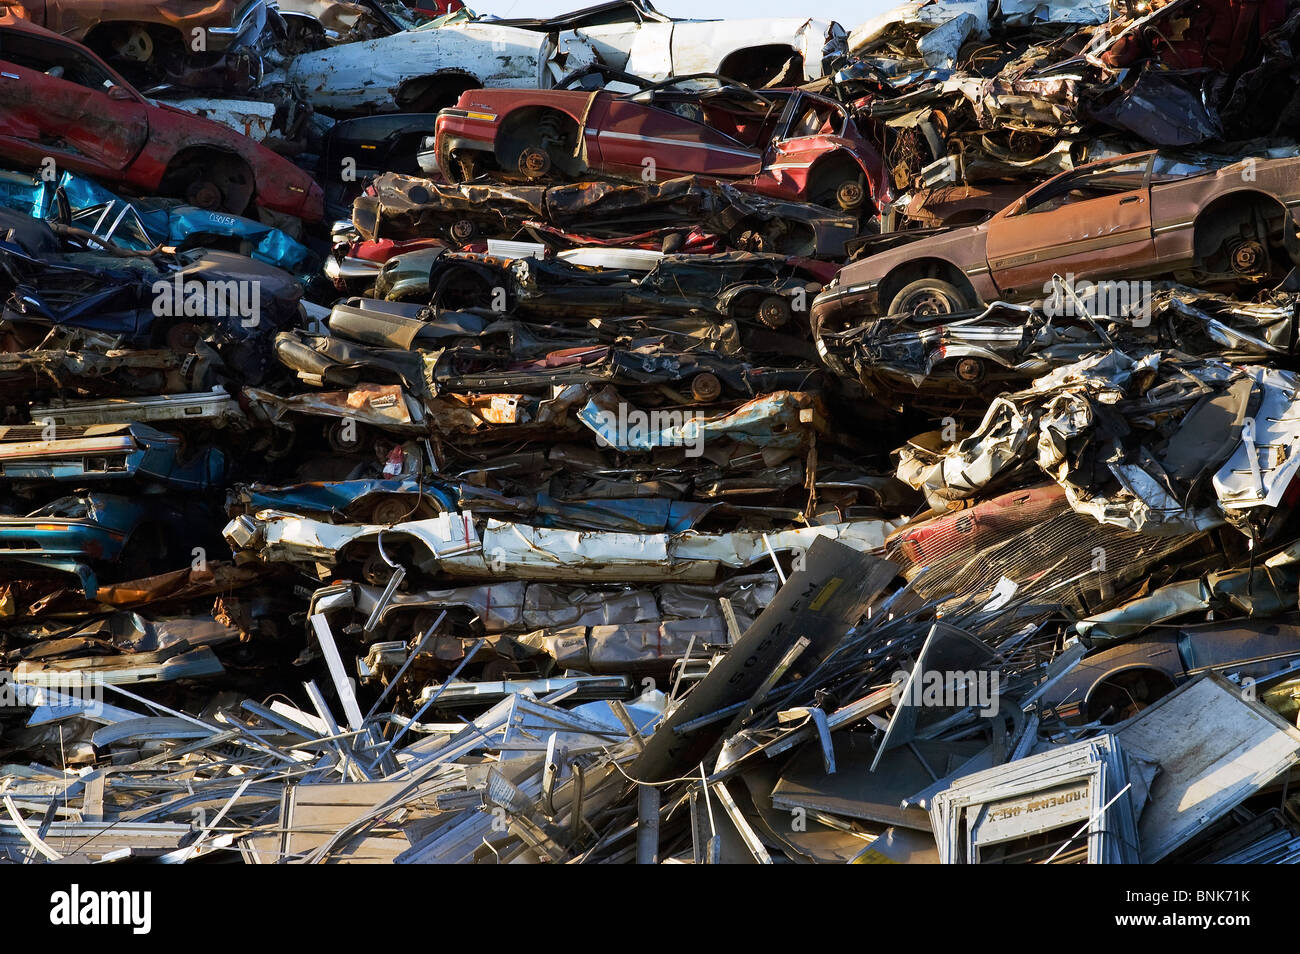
(425, 68)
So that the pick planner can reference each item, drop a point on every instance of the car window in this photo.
(1086, 184)
(72, 508)
(816, 119)
(54, 59)
(738, 118)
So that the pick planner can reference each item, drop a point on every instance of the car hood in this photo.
(962, 246)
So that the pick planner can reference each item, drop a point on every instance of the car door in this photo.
(804, 129)
(656, 136)
(55, 103)
(1093, 222)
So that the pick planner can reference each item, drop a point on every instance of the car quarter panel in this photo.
(1176, 205)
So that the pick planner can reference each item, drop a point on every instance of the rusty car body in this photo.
(1102, 222)
(682, 214)
(61, 104)
(139, 31)
(783, 143)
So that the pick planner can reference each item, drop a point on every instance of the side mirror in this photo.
(120, 93)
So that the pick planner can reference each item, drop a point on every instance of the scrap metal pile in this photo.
(653, 440)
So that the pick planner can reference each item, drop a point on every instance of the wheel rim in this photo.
(928, 302)
(1249, 258)
(849, 195)
(390, 511)
(534, 162)
(706, 387)
(462, 230)
(774, 312)
(204, 195)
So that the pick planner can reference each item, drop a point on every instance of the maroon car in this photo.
(61, 103)
(785, 143)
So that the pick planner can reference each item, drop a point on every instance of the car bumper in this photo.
(843, 307)
(465, 129)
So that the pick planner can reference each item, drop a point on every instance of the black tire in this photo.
(1125, 694)
(927, 297)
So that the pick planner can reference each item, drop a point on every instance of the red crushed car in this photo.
(784, 143)
(60, 102)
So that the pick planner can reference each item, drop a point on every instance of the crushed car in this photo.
(782, 143)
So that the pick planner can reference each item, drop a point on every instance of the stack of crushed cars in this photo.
(657, 441)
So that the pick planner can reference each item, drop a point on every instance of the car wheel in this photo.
(928, 297)
(839, 185)
(849, 194)
(544, 149)
(1126, 694)
(218, 183)
(705, 387)
(346, 437)
(774, 311)
(179, 336)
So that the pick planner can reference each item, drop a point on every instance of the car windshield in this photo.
(55, 59)
(735, 113)
(72, 508)
(397, 12)
(1081, 185)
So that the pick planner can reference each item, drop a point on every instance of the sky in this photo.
(848, 12)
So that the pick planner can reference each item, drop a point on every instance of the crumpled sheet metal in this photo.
(1017, 343)
(953, 20)
(935, 30)
(1109, 430)
(785, 420)
(454, 545)
(1268, 588)
(383, 405)
(1162, 112)
(281, 536)
(410, 207)
(626, 647)
(514, 606)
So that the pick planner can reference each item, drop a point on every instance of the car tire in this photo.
(928, 297)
